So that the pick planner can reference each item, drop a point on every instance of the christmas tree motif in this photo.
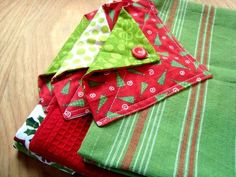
(112, 14)
(120, 82)
(162, 79)
(134, 71)
(183, 84)
(102, 101)
(79, 103)
(196, 64)
(183, 54)
(144, 86)
(66, 88)
(157, 40)
(161, 96)
(177, 64)
(94, 84)
(137, 5)
(129, 99)
(160, 25)
(165, 54)
(147, 16)
(112, 115)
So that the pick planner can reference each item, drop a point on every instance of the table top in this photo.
(31, 34)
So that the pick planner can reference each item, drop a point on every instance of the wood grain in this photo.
(31, 34)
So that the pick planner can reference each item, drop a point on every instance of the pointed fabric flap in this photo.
(44, 80)
(78, 53)
(59, 59)
(87, 47)
(126, 84)
(70, 96)
(117, 50)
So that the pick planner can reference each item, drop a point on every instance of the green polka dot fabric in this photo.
(117, 50)
(87, 47)
(62, 55)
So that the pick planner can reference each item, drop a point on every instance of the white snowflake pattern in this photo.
(87, 111)
(198, 79)
(175, 89)
(182, 73)
(164, 58)
(99, 123)
(187, 61)
(151, 72)
(153, 19)
(80, 94)
(149, 32)
(67, 113)
(153, 90)
(163, 37)
(171, 47)
(111, 88)
(92, 95)
(130, 83)
(177, 58)
(125, 106)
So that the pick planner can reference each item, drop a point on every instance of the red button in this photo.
(139, 53)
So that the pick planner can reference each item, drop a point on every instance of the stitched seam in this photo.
(177, 44)
(117, 92)
(130, 106)
(180, 47)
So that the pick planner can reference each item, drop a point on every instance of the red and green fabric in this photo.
(57, 140)
(44, 80)
(193, 132)
(26, 133)
(135, 84)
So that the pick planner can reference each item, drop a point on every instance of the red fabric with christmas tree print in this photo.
(113, 93)
(127, 90)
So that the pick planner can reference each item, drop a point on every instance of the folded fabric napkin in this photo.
(192, 133)
(115, 79)
(68, 162)
(121, 59)
(25, 134)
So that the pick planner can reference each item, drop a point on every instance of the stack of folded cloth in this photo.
(124, 98)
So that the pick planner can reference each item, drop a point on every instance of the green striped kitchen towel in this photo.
(194, 132)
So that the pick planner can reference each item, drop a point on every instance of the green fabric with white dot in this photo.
(117, 50)
(88, 46)
(62, 55)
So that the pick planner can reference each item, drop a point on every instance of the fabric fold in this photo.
(192, 133)
(112, 94)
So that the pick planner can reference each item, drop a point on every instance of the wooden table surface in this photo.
(31, 34)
